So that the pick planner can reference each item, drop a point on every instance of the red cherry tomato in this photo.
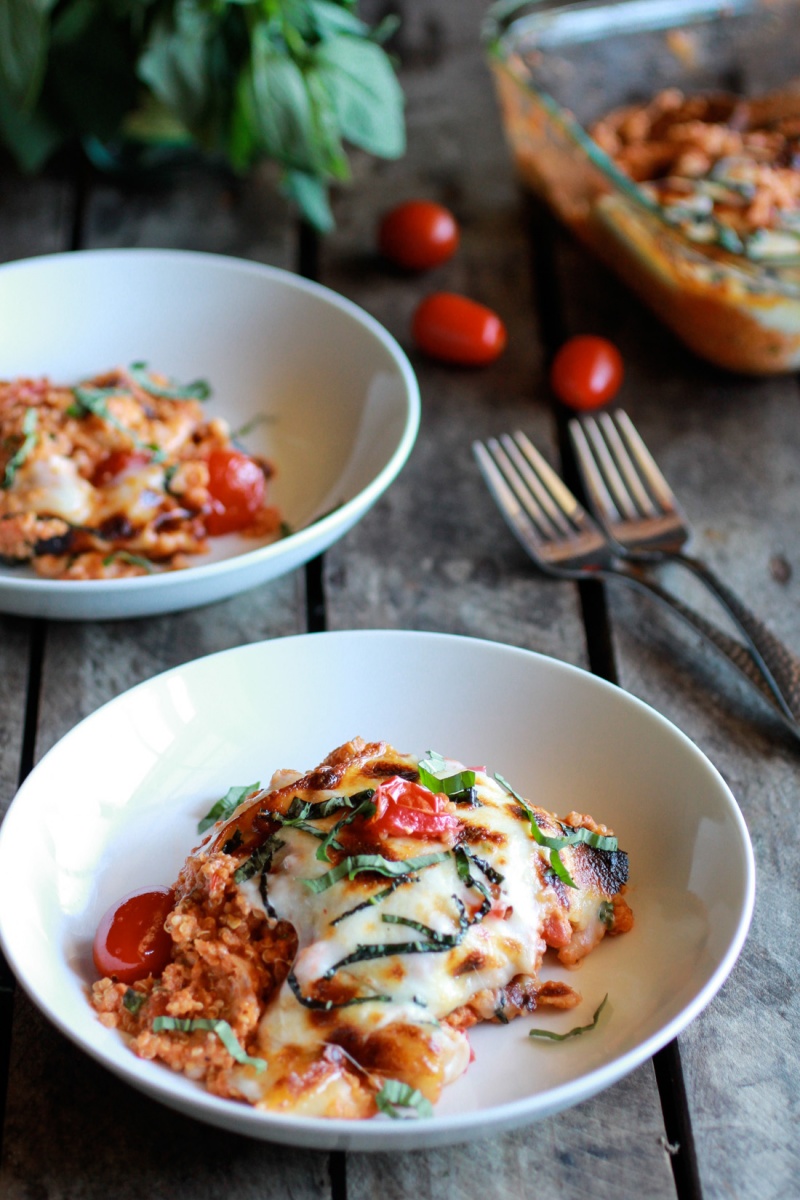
(131, 941)
(418, 235)
(458, 330)
(237, 487)
(117, 463)
(587, 372)
(406, 809)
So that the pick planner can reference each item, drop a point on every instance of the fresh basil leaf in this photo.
(366, 95)
(23, 49)
(259, 861)
(228, 804)
(331, 19)
(221, 1028)
(352, 865)
(395, 1097)
(174, 62)
(30, 437)
(579, 1029)
(449, 785)
(133, 1001)
(200, 389)
(311, 197)
(282, 106)
(365, 809)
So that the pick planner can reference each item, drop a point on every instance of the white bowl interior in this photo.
(333, 399)
(563, 738)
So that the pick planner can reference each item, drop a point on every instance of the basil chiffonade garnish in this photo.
(395, 1096)
(329, 1005)
(353, 864)
(94, 401)
(221, 1028)
(554, 844)
(30, 437)
(579, 1029)
(132, 1001)
(227, 805)
(198, 390)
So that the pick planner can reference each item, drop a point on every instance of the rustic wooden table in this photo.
(716, 1116)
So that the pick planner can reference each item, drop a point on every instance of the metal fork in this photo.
(642, 518)
(566, 543)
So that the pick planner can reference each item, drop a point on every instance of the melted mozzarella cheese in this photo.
(52, 486)
(423, 987)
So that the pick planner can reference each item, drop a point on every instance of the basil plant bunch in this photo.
(293, 81)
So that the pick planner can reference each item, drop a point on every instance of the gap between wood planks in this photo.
(553, 328)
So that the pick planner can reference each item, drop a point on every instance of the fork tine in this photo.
(626, 466)
(557, 493)
(526, 459)
(646, 464)
(505, 497)
(601, 499)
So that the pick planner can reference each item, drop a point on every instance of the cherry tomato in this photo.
(418, 235)
(131, 941)
(407, 809)
(118, 463)
(458, 330)
(237, 487)
(587, 371)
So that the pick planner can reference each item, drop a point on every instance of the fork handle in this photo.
(737, 654)
(780, 668)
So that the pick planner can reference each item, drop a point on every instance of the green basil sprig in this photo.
(576, 1032)
(221, 1028)
(400, 1100)
(242, 80)
(30, 437)
(226, 805)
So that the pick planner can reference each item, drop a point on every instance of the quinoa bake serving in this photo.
(123, 474)
(334, 936)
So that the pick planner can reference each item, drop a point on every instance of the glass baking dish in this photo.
(560, 68)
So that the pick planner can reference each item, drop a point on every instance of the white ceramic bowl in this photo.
(562, 737)
(339, 396)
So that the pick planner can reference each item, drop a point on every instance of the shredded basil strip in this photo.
(329, 1005)
(227, 805)
(351, 866)
(430, 776)
(499, 1012)
(30, 437)
(136, 560)
(579, 1029)
(259, 861)
(93, 400)
(376, 899)
(366, 809)
(577, 834)
(436, 943)
(133, 1001)
(556, 864)
(198, 390)
(467, 878)
(606, 913)
(221, 1028)
(395, 1096)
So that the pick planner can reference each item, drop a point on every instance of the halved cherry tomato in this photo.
(458, 330)
(131, 941)
(237, 487)
(117, 463)
(418, 235)
(407, 809)
(587, 372)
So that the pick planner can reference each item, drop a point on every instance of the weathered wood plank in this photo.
(730, 447)
(435, 555)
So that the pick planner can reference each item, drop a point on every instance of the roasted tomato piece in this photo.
(237, 487)
(406, 809)
(131, 941)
